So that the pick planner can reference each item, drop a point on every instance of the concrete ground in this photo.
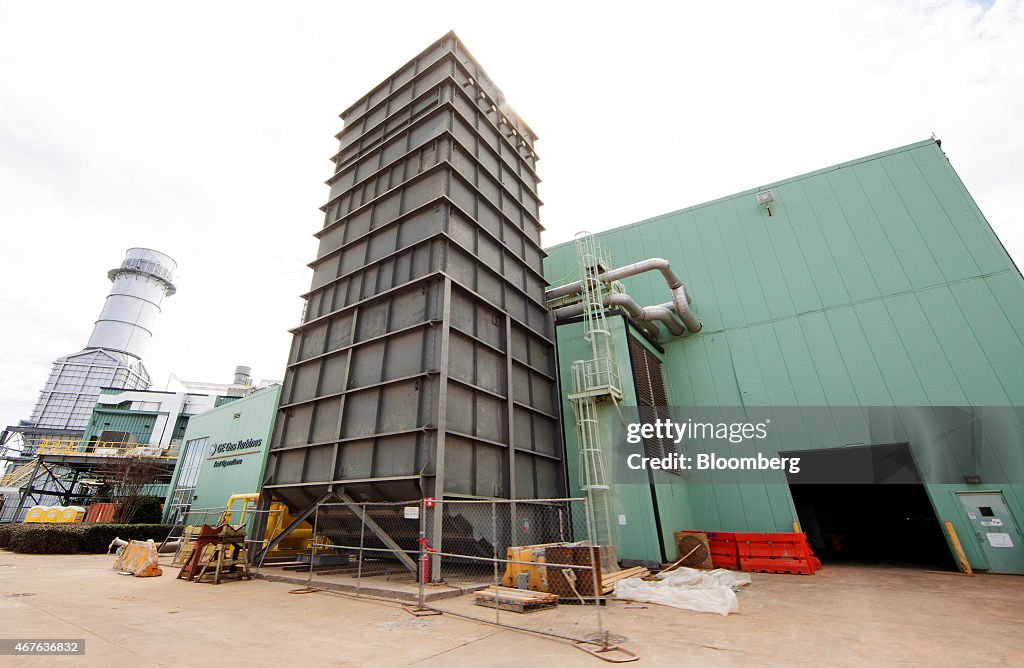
(844, 615)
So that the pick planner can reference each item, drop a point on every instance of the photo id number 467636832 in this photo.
(41, 646)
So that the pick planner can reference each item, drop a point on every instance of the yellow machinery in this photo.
(278, 518)
(534, 573)
(297, 542)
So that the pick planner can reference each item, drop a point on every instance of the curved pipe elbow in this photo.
(666, 313)
(650, 264)
(666, 317)
(620, 300)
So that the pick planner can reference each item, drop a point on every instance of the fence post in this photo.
(422, 559)
(362, 538)
(312, 549)
(437, 529)
(494, 556)
(263, 542)
(594, 561)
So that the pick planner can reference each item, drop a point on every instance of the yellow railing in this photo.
(18, 475)
(106, 449)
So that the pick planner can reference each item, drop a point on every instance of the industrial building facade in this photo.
(112, 357)
(224, 453)
(874, 285)
(867, 308)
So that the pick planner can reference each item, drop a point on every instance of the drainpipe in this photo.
(680, 297)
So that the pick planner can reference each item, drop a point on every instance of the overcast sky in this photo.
(203, 130)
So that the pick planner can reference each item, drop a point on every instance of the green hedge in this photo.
(98, 536)
(6, 532)
(61, 538)
(48, 538)
(150, 511)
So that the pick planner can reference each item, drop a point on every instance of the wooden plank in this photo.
(518, 594)
(608, 582)
(636, 571)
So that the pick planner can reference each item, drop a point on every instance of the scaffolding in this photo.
(62, 471)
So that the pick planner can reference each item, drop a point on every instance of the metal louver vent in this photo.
(652, 399)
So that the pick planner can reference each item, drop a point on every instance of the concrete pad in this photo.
(842, 616)
(395, 588)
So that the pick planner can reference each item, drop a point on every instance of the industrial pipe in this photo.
(645, 315)
(680, 297)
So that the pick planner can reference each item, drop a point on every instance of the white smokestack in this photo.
(129, 314)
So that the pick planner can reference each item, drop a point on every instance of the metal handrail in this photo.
(18, 475)
(106, 449)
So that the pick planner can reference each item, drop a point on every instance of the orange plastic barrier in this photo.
(139, 558)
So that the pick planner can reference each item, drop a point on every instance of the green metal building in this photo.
(225, 453)
(143, 416)
(871, 288)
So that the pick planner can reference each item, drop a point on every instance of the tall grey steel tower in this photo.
(112, 357)
(424, 364)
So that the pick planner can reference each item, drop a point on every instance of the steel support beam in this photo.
(299, 519)
(368, 522)
(442, 416)
(27, 488)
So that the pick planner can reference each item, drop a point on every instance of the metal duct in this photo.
(680, 297)
(645, 315)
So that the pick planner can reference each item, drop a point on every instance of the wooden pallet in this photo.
(515, 600)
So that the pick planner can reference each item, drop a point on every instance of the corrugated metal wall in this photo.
(877, 282)
(138, 423)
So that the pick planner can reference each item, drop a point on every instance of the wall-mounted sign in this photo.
(231, 449)
(999, 539)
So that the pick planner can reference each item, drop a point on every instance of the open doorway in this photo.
(867, 504)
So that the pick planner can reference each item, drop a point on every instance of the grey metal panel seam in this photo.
(410, 153)
(409, 214)
(456, 47)
(366, 134)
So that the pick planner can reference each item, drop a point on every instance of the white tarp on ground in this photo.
(688, 589)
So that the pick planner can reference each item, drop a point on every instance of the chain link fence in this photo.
(524, 564)
(368, 549)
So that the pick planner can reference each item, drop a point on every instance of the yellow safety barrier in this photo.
(140, 559)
